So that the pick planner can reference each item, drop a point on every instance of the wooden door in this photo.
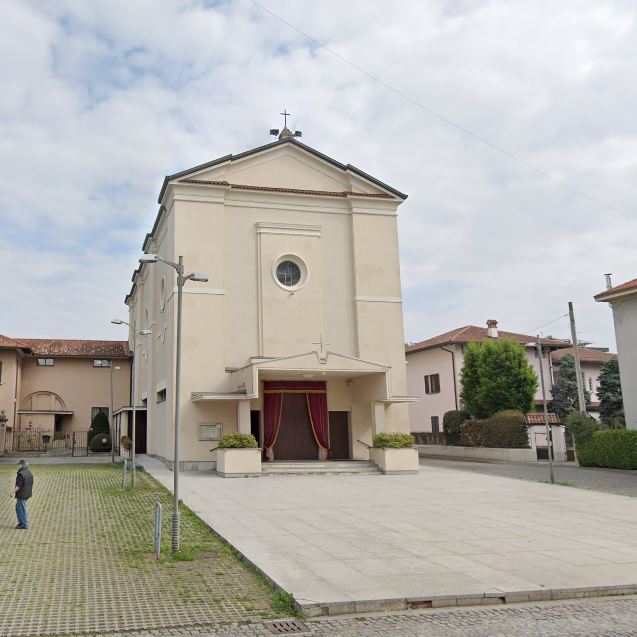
(296, 438)
(339, 435)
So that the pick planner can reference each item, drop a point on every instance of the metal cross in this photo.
(285, 117)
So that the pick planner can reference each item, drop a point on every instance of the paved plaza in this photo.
(84, 565)
(444, 535)
(602, 617)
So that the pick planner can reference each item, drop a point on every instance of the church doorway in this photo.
(296, 439)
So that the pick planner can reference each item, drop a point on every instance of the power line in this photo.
(441, 117)
(533, 329)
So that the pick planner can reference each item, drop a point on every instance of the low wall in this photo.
(478, 453)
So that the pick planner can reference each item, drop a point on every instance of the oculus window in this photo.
(290, 272)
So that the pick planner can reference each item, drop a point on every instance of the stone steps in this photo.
(330, 467)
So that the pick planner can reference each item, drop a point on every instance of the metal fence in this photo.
(43, 441)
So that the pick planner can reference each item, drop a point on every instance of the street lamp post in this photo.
(133, 390)
(549, 437)
(181, 280)
(112, 369)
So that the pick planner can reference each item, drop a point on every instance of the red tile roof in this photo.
(473, 333)
(623, 287)
(71, 347)
(538, 419)
(5, 341)
(586, 355)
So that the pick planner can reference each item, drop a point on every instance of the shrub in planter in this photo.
(238, 441)
(612, 448)
(451, 423)
(507, 430)
(473, 433)
(394, 440)
(100, 442)
(127, 443)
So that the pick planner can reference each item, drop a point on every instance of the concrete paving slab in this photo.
(444, 534)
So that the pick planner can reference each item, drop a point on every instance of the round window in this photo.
(288, 273)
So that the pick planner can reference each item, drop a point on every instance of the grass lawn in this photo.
(85, 565)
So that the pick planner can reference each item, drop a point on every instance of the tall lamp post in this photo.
(181, 280)
(113, 369)
(549, 436)
(133, 388)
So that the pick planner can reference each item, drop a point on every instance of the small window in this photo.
(288, 273)
(101, 362)
(45, 362)
(97, 410)
(161, 395)
(432, 384)
(435, 424)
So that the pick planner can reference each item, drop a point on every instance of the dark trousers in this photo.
(21, 512)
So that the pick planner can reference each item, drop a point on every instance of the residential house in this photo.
(56, 386)
(591, 361)
(434, 367)
(297, 336)
(623, 301)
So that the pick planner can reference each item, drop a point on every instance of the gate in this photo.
(44, 442)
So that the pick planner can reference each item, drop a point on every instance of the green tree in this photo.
(611, 405)
(564, 390)
(496, 376)
(100, 424)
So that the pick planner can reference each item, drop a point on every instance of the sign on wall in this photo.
(210, 430)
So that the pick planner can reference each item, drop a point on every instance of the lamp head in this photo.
(148, 258)
(200, 278)
(145, 332)
(117, 322)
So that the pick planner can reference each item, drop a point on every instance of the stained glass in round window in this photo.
(288, 273)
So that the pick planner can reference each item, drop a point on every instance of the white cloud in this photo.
(100, 100)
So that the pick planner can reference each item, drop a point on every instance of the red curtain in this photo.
(317, 406)
(272, 403)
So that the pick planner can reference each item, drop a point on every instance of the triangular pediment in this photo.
(286, 164)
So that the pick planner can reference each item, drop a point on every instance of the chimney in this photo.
(492, 328)
(609, 285)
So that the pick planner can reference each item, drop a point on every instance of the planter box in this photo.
(393, 461)
(478, 453)
(238, 463)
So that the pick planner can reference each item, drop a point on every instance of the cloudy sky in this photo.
(101, 99)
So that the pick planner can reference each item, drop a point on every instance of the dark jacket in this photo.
(24, 482)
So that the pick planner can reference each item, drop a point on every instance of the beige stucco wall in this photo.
(625, 319)
(351, 298)
(80, 386)
(9, 382)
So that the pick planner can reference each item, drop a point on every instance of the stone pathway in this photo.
(606, 480)
(581, 618)
(454, 537)
(84, 564)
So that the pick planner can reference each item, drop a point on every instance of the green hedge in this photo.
(238, 441)
(100, 442)
(504, 430)
(394, 440)
(451, 423)
(611, 448)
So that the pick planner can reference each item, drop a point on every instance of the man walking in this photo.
(22, 492)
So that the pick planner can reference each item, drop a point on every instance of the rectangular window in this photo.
(45, 362)
(101, 362)
(161, 395)
(432, 384)
(97, 410)
(590, 383)
(435, 424)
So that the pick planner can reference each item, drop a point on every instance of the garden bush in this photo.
(100, 443)
(100, 424)
(473, 433)
(612, 448)
(127, 443)
(394, 440)
(504, 430)
(581, 427)
(451, 423)
(238, 441)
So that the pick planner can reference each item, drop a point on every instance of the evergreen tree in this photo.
(564, 389)
(497, 376)
(611, 407)
(100, 424)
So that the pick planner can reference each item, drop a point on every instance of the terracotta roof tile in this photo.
(5, 341)
(70, 347)
(473, 333)
(586, 355)
(623, 287)
(538, 419)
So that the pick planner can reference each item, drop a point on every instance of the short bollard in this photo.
(124, 473)
(157, 529)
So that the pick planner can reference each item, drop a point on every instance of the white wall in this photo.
(625, 318)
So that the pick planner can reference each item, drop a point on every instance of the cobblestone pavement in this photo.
(581, 618)
(84, 563)
(606, 480)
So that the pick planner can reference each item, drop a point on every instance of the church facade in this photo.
(297, 336)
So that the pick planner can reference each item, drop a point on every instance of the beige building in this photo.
(434, 367)
(297, 337)
(591, 361)
(55, 387)
(623, 300)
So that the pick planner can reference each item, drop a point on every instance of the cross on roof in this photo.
(285, 116)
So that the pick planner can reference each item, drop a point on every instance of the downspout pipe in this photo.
(455, 382)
